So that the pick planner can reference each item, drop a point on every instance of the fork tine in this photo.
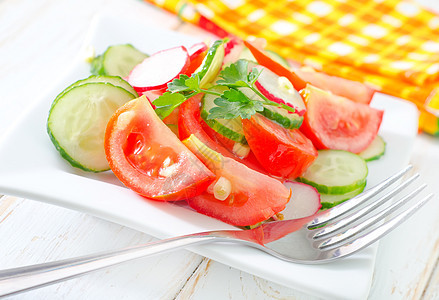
(339, 224)
(371, 237)
(346, 206)
(335, 241)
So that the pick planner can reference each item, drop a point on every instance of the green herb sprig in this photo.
(231, 103)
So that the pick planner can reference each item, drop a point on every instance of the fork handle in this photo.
(16, 280)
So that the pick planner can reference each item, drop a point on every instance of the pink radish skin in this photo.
(156, 71)
(232, 51)
(304, 201)
(196, 50)
(268, 85)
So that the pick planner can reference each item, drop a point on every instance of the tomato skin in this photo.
(190, 122)
(282, 152)
(266, 61)
(352, 90)
(335, 122)
(254, 197)
(149, 159)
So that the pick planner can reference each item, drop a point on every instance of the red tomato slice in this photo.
(253, 197)
(282, 152)
(266, 61)
(356, 91)
(190, 122)
(149, 159)
(335, 122)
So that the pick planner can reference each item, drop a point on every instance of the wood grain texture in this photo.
(37, 42)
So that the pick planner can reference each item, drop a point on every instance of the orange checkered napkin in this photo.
(390, 45)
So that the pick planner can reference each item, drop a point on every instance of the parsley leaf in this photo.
(235, 74)
(232, 104)
(167, 102)
(178, 84)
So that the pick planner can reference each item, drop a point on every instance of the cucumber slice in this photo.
(375, 150)
(114, 80)
(278, 114)
(117, 60)
(231, 129)
(211, 64)
(77, 122)
(336, 172)
(328, 200)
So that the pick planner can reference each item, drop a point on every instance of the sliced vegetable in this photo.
(114, 80)
(265, 60)
(375, 150)
(149, 159)
(77, 121)
(189, 123)
(336, 172)
(280, 90)
(278, 58)
(250, 197)
(212, 63)
(304, 201)
(356, 91)
(331, 200)
(230, 128)
(334, 122)
(117, 60)
(196, 55)
(236, 148)
(156, 71)
(284, 153)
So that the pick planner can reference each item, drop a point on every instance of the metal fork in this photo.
(321, 238)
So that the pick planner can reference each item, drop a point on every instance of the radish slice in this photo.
(304, 201)
(197, 53)
(232, 51)
(156, 71)
(280, 90)
(196, 50)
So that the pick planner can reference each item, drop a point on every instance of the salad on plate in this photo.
(230, 127)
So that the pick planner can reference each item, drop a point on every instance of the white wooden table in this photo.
(37, 41)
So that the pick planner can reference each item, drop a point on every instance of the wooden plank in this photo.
(432, 290)
(38, 232)
(408, 255)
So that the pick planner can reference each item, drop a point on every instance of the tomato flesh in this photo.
(356, 91)
(254, 197)
(149, 159)
(266, 61)
(190, 122)
(282, 152)
(334, 122)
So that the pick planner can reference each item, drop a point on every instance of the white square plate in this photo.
(31, 168)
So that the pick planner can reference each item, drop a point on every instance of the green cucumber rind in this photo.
(99, 65)
(294, 122)
(55, 141)
(113, 80)
(378, 150)
(337, 189)
(208, 60)
(337, 199)
(223, 130)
